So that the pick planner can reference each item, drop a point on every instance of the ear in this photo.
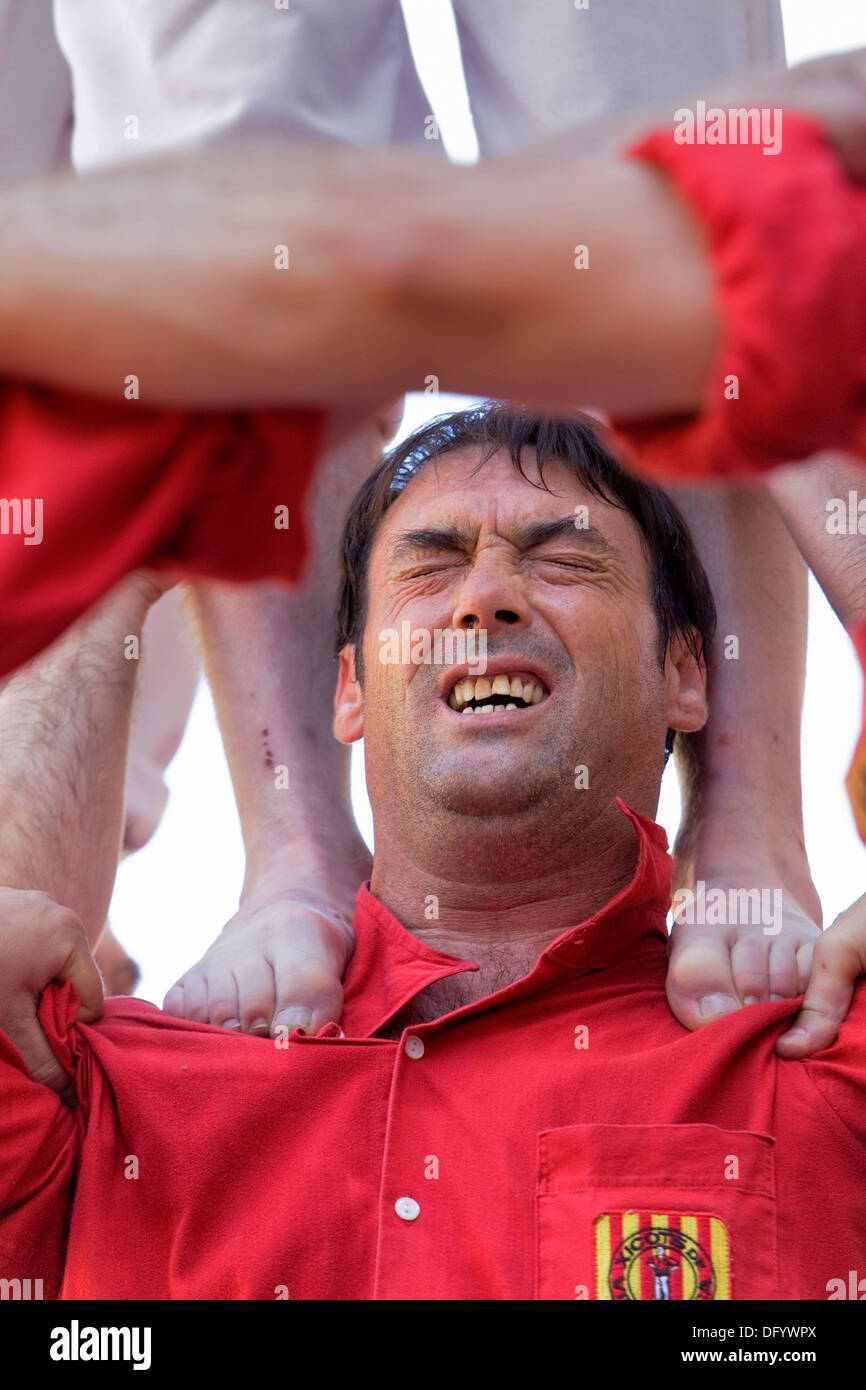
(348, 700)
(685, 688)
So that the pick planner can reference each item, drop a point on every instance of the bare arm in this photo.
(64, 729)
(395, 268)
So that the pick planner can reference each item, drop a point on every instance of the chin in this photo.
(482, 790)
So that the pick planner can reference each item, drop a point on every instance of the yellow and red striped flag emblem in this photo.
(661, 1256)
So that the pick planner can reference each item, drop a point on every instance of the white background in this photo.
(173, 897)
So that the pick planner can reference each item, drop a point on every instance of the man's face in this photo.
(569, 624)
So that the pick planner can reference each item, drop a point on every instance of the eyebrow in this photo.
(526, 537)
(432, 538)
(536, 533)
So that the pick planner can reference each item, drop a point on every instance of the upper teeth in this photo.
(468, 692)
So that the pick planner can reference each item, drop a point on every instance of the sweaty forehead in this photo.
(495, 499)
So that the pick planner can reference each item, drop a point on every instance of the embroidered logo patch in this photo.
(644, 1255)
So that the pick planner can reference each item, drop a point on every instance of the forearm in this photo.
(513, 316)
(332, 275)
(396, 269)
(64, 728)
(171, 269)
(740, 775)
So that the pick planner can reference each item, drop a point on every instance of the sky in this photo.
(173, 897)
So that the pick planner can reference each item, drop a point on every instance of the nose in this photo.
(490, 597)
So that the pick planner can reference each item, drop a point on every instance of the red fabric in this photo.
(787, 239)
(262, 1170)
(123, 487)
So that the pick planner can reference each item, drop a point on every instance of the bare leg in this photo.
(269, 657)
(166, 687)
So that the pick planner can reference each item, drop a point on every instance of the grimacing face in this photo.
(570, 625)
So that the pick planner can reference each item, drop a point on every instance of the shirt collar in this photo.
(390, 965)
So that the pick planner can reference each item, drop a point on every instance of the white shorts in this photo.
(151, 75)
(35, 91)
(202, 72)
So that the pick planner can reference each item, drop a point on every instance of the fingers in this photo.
(24, 1031)
(804, 965)
(42, 942)
(837, 965)
(81, 969)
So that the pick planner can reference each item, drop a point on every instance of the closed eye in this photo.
(421, 571)
(573, 563)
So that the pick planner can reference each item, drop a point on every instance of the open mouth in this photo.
(487, 694)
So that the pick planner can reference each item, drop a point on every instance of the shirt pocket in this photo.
(656, 1212)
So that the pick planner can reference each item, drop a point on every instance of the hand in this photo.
(716, 968)
(277, 964)
(839, 959)
(40, 942)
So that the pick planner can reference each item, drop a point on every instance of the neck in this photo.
(500, 918)
(496, 889)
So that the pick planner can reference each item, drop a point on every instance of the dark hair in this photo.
(680, 589)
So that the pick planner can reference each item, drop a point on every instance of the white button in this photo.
(407, 1208)
(414, 1047)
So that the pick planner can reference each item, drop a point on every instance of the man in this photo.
(185, 75)
(363, 306)
(508, 1109)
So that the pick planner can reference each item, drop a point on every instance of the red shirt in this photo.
(564, 1137)
(121, 487)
